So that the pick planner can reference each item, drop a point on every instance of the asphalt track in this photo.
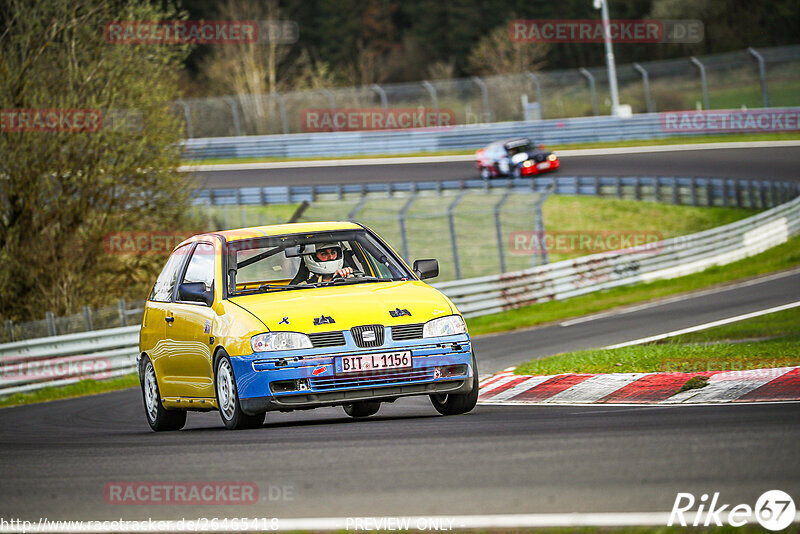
(776, 163)
(58, 457)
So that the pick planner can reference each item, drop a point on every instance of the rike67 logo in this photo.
(774, 510)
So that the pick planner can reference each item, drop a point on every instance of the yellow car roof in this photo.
(281, 229)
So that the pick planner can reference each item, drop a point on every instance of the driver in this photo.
(325, 263)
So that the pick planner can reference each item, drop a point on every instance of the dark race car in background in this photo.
(514, 157)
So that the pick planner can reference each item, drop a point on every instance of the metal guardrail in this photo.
(33, 364)
(676, 190)
(461, 137)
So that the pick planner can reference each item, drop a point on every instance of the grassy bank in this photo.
(771, 340)
(78, 389)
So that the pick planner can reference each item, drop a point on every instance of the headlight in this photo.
(279, 341)
(444, 326)
(552, 157)
(527, 163)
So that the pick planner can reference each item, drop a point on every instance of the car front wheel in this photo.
(456, 404)
(228, 399)
(158, 417)
(485, 173)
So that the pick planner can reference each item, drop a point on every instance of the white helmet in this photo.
(324, 267)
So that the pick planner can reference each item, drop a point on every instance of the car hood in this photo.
(348, 306)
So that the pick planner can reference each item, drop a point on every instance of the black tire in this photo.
(159, 418)
(362, 409)
(230, 409)
(450, 404)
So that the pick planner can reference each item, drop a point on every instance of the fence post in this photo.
(51, 323)
(282, 110)
(10, 328)
(402, 221)
(762, 72)
(381, 93)
(123, 318)
(188, 114)
(693, 185)
(646, 83)
(539, 225)
(675, 196)
(709, 192)
(589, 76)
(487, 113)
(451, 222)
(619, 186)
(235, 113)
(535, 79)
(87, 317)
(434, 100)
(498, 227)
(703, 80)
(358, 207)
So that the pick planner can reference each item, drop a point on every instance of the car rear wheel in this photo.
(362, 409)
(158, 417)
(228, 399)
(456, 404)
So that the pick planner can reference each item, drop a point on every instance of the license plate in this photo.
(373, 362)
(543, 165)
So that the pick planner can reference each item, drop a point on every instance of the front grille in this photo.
(539, 157)
(358, 335)
(375, 378)
(407, 331)
(327, 339)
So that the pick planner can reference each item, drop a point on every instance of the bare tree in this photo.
(496, 53)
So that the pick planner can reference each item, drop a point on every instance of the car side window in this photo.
(201, 266)
(162, 290)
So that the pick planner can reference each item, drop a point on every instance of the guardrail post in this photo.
(693, 191)
(87, 317)
(618, 183)
(709, 192)
(51, 323)
(123, 318)
(648, 99)
(772, 194)
(535, 80)
(452, 223)
(762, 72)
(235, 113)
(637, 188)
(402, 221)
(434, 100)
(738, 193)
(590, 77)
(498, 227)
(703, 80)
(657, 188)
(188, 114)
(763, 195)
(487, 113)
(282, 110)
(751, 197)
(381, 93)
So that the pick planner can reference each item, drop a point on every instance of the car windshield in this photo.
(292, 262)
(516, 149)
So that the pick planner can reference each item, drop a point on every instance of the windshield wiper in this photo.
(289, 287)
(345, 281)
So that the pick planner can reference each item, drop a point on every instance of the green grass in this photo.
(78, 389)
(771, 340)
(777, 258)
(556, 147)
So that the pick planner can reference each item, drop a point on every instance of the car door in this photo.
(153, 335)
(190, 331)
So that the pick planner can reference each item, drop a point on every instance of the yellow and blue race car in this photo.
(298, 316)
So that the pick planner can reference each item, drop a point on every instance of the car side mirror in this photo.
(426, 269)
(195, 292)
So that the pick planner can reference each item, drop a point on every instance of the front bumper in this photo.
(439, 365)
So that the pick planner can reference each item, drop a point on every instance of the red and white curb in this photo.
(758, 385)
